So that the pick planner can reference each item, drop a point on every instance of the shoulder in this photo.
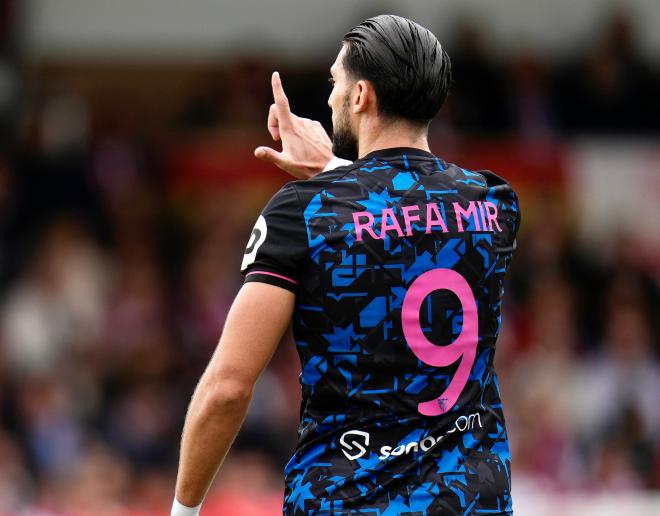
(493, 187)
(497, 186)
(307, 188)
(500, 187)
(485, 177)
(334, 174)
(493, 179)
(286, 197)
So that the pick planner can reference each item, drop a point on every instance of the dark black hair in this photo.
(404, 62)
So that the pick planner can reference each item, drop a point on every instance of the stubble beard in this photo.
(344, 141)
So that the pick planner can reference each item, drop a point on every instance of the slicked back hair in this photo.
(405, 63)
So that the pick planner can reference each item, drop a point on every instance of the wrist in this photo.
(178, 509)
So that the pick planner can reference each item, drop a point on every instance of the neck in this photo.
(386, 135)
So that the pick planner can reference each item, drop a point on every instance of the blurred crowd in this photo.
(114, 289)
(606, 88)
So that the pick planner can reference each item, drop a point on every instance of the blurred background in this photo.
(128, 190)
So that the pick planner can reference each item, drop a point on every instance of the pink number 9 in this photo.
(464, 348)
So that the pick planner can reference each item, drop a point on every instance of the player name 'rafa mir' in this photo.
(477, 216)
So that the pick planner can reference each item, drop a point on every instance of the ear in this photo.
(363, 95)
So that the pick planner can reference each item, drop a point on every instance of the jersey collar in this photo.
(397, 152)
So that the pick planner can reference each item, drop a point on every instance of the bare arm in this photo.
(255, 324)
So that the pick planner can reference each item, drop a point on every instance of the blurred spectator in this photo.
(57, 307)
(625, 376)
(16, 484)
(480, 102)
(611, 90)
(532, 110)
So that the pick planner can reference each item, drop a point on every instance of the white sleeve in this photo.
(336, 162)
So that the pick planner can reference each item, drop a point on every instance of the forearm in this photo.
(259, 316)
(214, 417)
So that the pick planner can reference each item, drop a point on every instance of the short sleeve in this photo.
(511, 211)
(277, 246)
(502, 201)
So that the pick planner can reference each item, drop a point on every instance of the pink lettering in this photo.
(394, 225)
(366, 226)
(491, 211)
(461, 214)
(434, 218)
(408, 218)
(482, 215)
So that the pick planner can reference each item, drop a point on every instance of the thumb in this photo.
(270, 155)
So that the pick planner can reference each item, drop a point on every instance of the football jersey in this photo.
(397, 262)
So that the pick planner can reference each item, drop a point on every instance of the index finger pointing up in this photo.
(282, 103)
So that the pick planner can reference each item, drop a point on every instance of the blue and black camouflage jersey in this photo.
(397, 262)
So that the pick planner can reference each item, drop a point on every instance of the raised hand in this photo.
(306, 147)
